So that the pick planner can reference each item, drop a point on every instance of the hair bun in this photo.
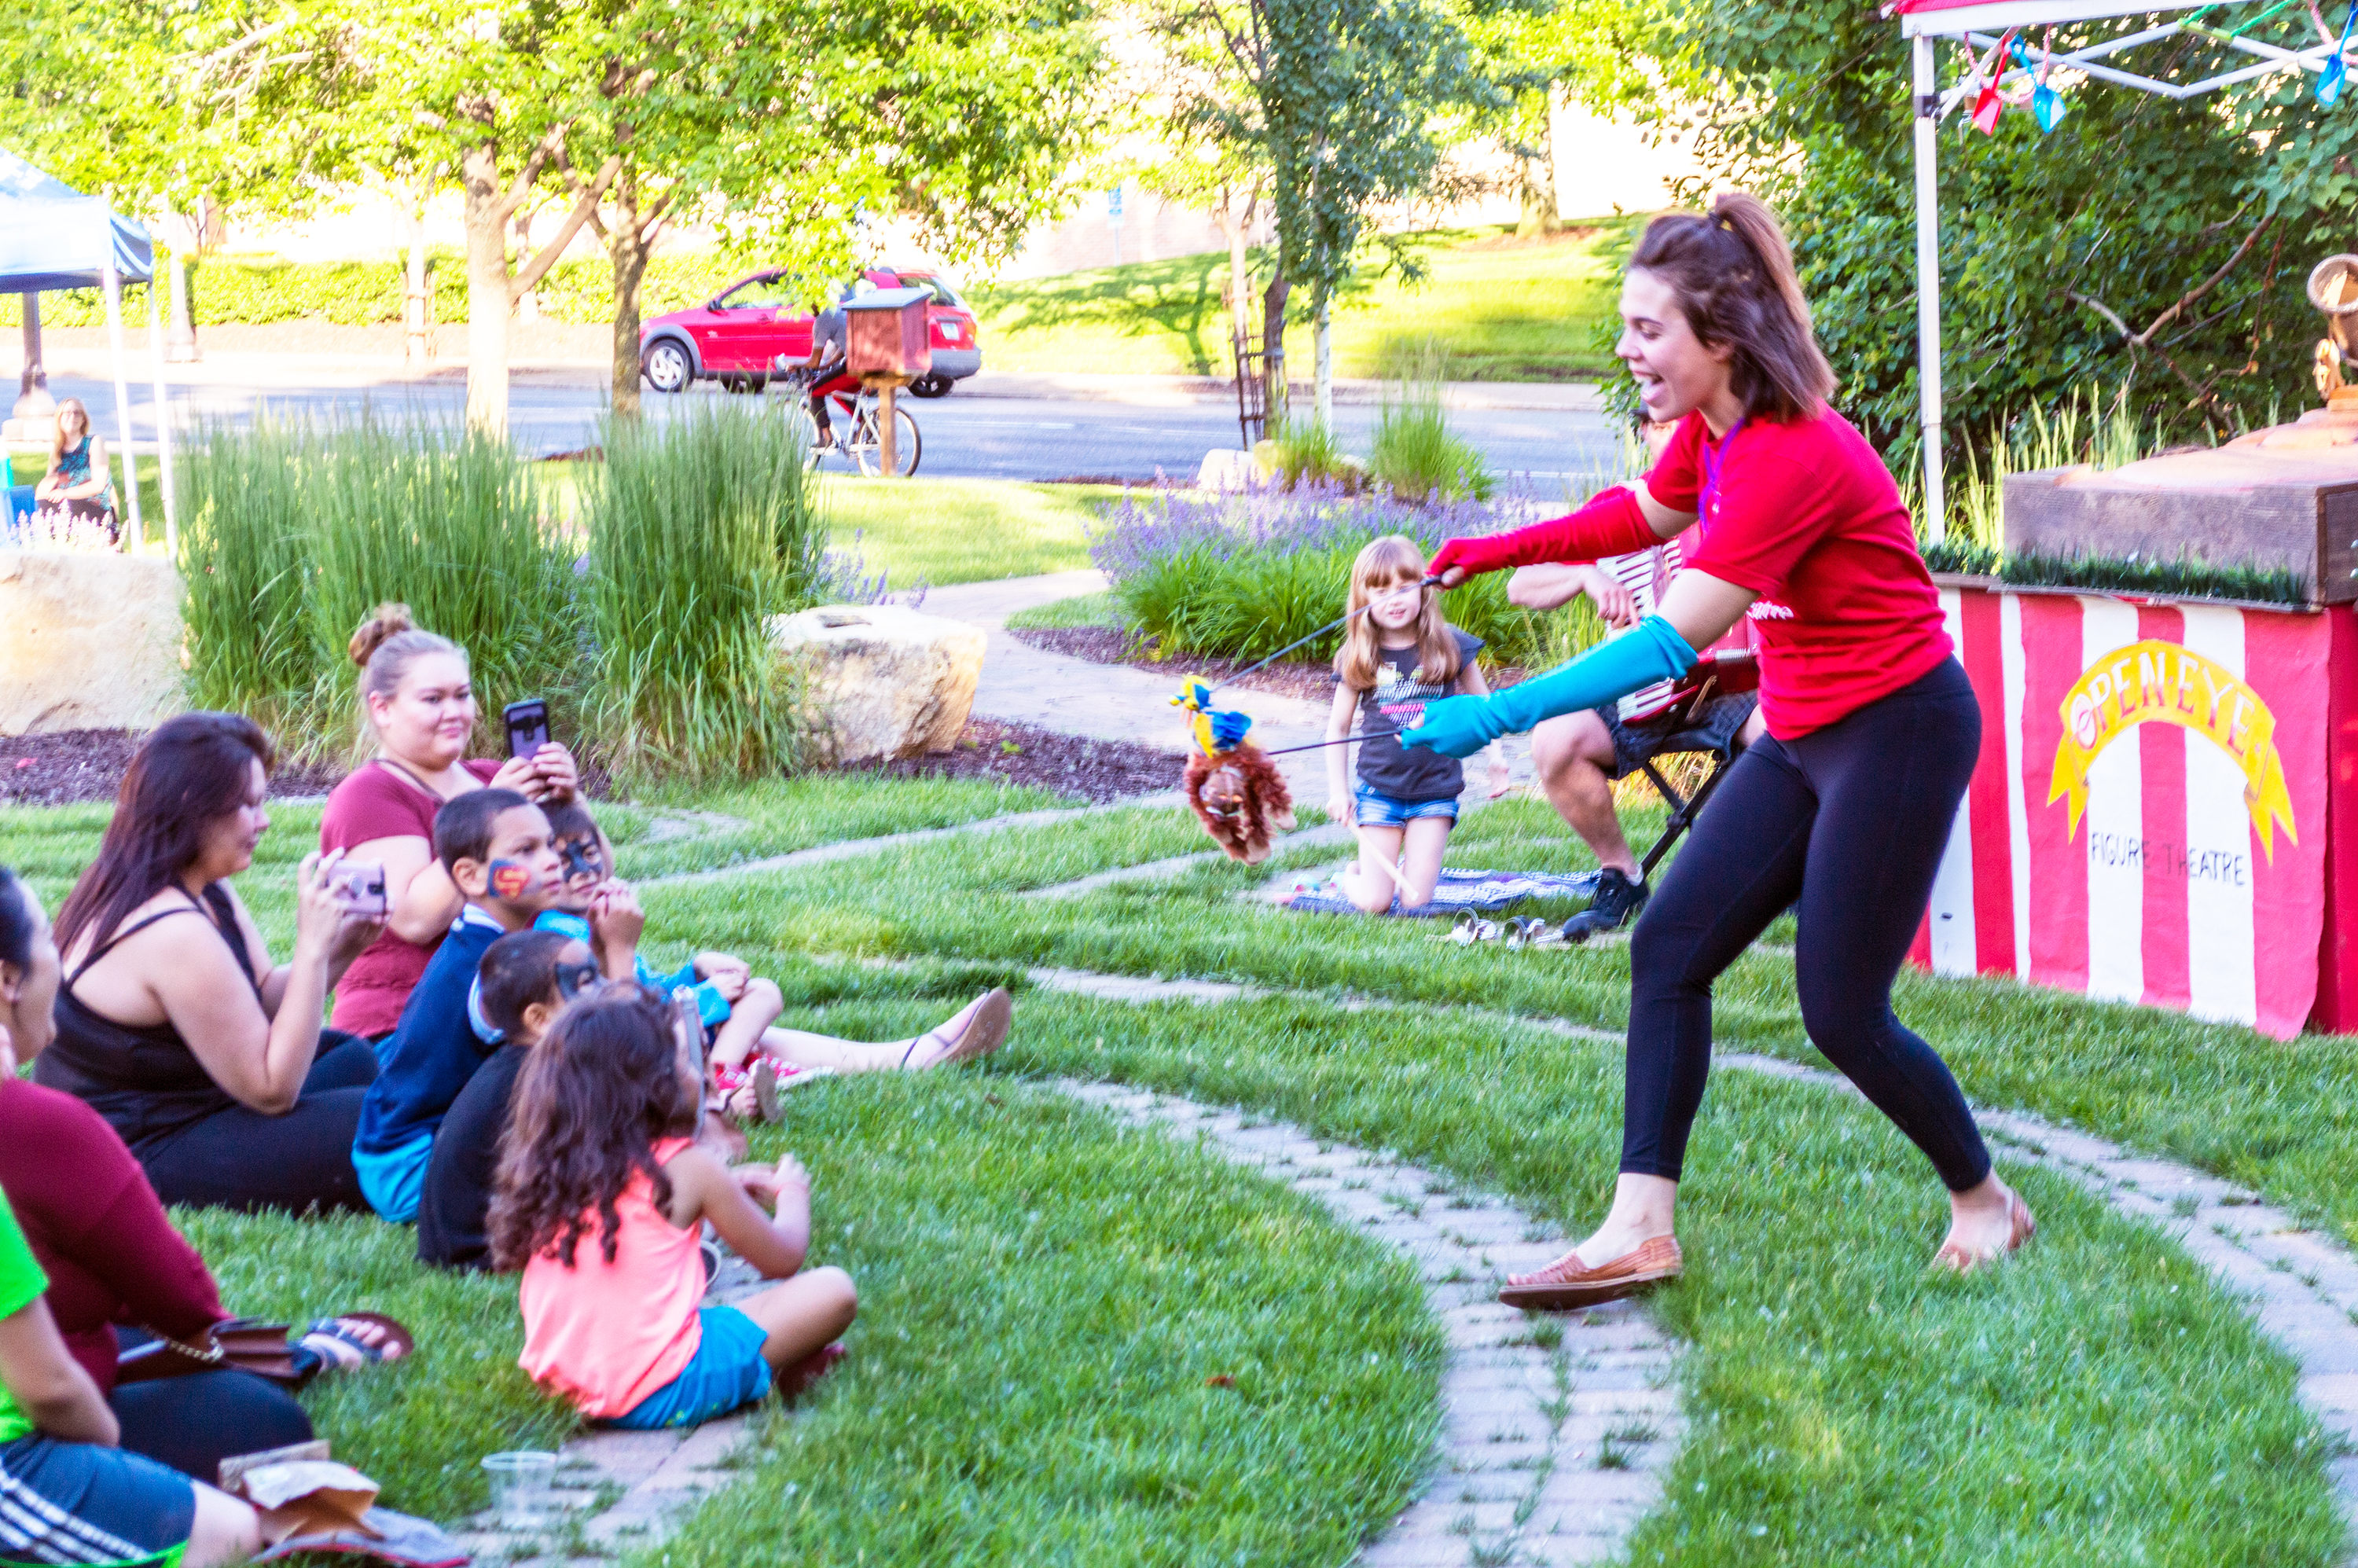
(385, 621)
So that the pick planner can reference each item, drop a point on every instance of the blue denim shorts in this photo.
(725, 1372)
(1382, 811)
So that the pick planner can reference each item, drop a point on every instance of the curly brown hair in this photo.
(594, 1096)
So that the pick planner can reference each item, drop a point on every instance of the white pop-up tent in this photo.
(1981, 26)
(53, 236)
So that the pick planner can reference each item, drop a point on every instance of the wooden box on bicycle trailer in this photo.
(890, 341)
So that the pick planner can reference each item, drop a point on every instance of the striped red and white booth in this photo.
(2163, 809)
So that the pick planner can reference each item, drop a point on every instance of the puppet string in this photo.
(1331, 625)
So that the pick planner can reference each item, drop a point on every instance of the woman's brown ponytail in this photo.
(1733, 274)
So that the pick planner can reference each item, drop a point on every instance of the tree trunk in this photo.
(184, 233)
(1322, 386)
(1274, 338)
(1539, 216)
(489, 298)
(1238, 293)
(417, 343)
(528, 302)
(628, 249)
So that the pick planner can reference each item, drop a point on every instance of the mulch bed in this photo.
(1114, 645)
(1096, 771)
(77, 766)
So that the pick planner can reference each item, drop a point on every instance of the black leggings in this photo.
(239, 1157)
(1850, 822)
(193, 1423)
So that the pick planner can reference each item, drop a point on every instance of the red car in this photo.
(735, 337)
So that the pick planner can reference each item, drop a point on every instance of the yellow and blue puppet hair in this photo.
(1216, 731)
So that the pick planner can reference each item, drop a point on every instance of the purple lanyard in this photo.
(1705, 503)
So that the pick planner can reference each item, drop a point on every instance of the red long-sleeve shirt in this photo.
(98, 1229)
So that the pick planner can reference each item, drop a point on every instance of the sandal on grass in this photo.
(1568, 1282)
(975, 1030)
(746, 1093)
(341, 1347)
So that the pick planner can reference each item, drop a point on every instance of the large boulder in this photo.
(88, 641)
(883, 680)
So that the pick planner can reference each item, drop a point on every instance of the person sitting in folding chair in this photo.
(1577, 756)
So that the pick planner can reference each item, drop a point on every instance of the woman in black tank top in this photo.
(257, 1110)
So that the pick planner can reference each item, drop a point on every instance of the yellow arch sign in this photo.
(2166, 683)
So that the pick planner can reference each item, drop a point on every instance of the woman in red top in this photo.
(417, 698)
(1843, 809)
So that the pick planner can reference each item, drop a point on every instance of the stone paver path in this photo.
(2299, 1284)
(1556, 1430)
(1555, 1438)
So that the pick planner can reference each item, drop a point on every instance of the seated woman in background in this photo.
(114, 1260)
(206, 1057)
(417, 698)
(78, 487)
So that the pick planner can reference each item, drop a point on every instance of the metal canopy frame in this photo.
(1982, 27)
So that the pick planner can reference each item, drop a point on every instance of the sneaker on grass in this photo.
(1617, 903)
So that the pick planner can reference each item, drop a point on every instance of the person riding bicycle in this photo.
(830, 345)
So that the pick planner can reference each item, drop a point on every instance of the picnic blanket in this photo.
(1459, 891)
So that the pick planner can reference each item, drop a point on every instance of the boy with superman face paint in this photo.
(496, 846)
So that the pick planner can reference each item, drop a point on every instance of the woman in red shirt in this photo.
(417, 698)
(1843, 809)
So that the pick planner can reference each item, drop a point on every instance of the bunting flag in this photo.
(2148, 821)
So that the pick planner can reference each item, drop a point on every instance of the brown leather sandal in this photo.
(2021, 1226)
(1567, 1283)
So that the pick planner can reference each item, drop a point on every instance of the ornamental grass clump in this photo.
(1415, 456)
(700, 529)
(297, 530)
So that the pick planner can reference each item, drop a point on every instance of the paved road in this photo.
(964, 436)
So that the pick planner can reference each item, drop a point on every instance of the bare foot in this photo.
(1986, 1223)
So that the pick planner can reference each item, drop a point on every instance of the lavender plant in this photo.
(1240, 574)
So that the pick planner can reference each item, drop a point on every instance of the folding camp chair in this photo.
(1722, 673)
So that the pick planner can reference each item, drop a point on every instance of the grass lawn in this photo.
(1493, 308)
(1045, 1294)
(941, 530)
(1081, 609)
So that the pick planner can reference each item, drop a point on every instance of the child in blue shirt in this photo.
(495, 845)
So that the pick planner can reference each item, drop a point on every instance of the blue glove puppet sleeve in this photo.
(1461, 726)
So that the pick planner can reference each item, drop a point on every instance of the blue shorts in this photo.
(76, 1503)
(1382, 811)
(392, 1182)
(725, 1371)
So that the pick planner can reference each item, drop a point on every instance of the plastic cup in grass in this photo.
(520, 1491)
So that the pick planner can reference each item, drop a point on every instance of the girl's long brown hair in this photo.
(597, 1092)
(1733, 274)
(1384, 565)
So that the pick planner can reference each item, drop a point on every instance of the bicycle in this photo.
(857, 437)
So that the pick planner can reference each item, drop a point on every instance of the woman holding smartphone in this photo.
(417, 698)
(174, 1022)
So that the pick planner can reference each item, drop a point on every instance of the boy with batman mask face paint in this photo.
(497, 848)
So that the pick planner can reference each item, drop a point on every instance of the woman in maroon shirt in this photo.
(1842, 810)
(417, 698)
(118, 1271)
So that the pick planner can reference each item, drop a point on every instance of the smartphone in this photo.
(362, 884)
(527, 726)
